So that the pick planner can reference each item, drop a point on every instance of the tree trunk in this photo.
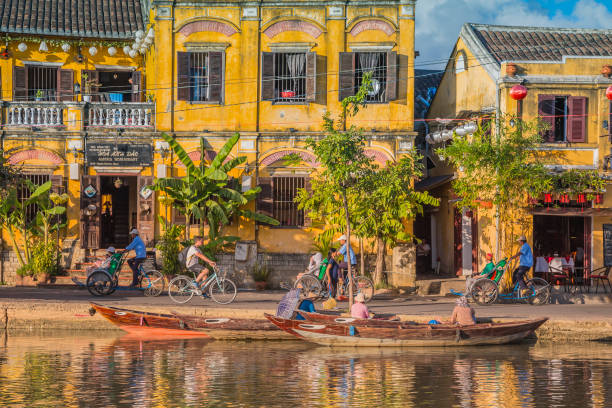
(348, 248)
(361, 257)
(381, 250)
(187, 226)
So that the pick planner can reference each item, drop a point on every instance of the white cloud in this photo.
(438, 22)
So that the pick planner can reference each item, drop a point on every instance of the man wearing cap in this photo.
(525, 263)
(351, 257)
(138, 246)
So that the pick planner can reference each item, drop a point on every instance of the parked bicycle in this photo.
(104, 281)
(486, 291)
(220, 289)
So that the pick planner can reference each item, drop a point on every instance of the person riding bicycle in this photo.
(525, 256)
(351, 257)
(139, 247)
(193, 263)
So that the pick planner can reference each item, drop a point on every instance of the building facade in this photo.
(566, 86)
(89, 115)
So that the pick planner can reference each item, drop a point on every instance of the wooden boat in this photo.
(327, 318)
(333, 334)
(158, 324)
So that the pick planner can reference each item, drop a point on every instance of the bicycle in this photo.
(486, 291)
(103, 282)
(310, 283)
(220, 289)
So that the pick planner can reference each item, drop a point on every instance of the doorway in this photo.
(119, 209)
(565, 235)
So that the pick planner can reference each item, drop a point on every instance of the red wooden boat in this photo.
(415, 335)
(376, 322)
(156, 324)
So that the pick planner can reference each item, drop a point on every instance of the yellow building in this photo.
(562, 71)
(268, 70)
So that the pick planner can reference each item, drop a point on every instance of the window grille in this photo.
(198, 77)
(23, 193)
(42, 79)
(285, 209)
(290, 77)
(375, 62)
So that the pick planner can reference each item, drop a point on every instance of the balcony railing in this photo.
(44, 114)
(122, 115)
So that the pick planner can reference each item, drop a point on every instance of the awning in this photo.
(432, 182)
(574, 212)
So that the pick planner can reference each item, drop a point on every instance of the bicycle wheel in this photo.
(484, 291)
(153, 283)
(223, 291)
(115, 283)
(308, 284)
(99, 283)
(541, 291)
(180, 289)
(364, 285)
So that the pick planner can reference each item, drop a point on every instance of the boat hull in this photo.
(337, 335)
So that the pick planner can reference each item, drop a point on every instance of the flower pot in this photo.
(259, 286)
(511, 69)
(25, 281)
(43, 278)
(86, 98)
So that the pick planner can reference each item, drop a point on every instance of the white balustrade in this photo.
(121, 115)
(35, 114)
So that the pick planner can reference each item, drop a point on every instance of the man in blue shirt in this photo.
(351, 257)
(139, 247)
(525, 263)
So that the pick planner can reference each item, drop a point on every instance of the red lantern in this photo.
(598, 198)
(581, 198)
(5, 53)
(609, 93)
(564, 199)
(547, 198)
(518, 92)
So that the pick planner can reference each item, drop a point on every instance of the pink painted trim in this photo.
(293, 25)
(378, 156)
(372, 25)
(35, 154)
(278, 156)
(208, 25)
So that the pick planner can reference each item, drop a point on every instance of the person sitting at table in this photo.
(541, 265)
(557, 263)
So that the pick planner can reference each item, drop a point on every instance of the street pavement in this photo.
(426, 307)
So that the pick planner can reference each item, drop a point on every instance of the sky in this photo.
(438, 22)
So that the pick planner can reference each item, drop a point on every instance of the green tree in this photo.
(209, 193)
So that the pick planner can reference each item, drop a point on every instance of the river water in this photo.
(59, 370)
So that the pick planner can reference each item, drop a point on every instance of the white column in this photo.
(466, 240)
(434, 240)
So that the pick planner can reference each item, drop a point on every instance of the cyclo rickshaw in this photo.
(104, 281)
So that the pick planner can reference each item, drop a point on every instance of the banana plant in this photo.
(208, 192)
(49, 209)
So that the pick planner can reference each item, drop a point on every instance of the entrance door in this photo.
(90, 212)
(118, 205)
(563, 235)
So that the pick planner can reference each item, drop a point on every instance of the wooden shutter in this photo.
(392, 70)
(267, 76)
(57, 184)
(546, 112)
(137, 86)
(177, 217)
(308, 188)
(577, 119)
(346, 82)
(146, 211)
(265, 198)
(90, 224)
(93, 76)
(311, 76)
(215, 76)
(182, 69)
(65, 80)
(20, 83)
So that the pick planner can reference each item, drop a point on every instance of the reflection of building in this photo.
(264, 70)
(562, 71)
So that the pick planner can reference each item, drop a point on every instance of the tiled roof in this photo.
(74, 18)
(509, 43)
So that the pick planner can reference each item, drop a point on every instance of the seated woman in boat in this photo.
(306, 305)
(359, 310)
(463, 314)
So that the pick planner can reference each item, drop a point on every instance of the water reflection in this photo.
(87, 371)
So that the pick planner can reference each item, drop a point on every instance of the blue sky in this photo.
(438, 22)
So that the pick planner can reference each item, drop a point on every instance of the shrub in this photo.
(170, 247)
(261, 272)
(44, 258)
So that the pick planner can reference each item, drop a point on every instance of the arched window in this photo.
(459, 63)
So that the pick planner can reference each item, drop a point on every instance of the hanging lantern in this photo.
(148, 41)
(112, 51)
(598, 198)
(471, 127)
(139, 34)
(436, 137)
(43, 47)
(127, 49)
(447, 135)
(93, 51)
(22, 47)
(581, 198)
(460, 131)
(66, 47)
(518, 92)
(118, 183)
(564, 199)
(609, 93)
(548, 198)
(133, 53)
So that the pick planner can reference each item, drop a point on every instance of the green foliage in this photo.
(170, 246)
(25, 270)
(260, 272)
(576, 181)
(44, 258)
(323, 242)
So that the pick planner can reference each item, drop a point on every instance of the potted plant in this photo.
(39, 95)
(87, 85)
(261, 274)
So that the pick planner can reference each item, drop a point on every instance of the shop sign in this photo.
(119, 154)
